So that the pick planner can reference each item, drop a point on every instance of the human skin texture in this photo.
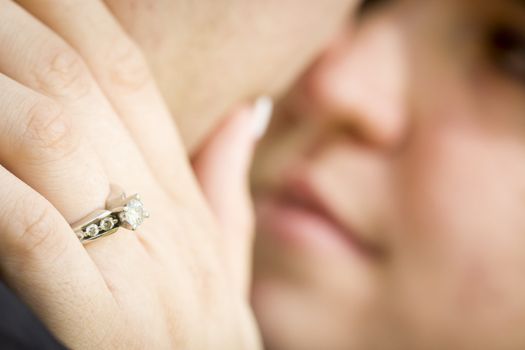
(80, 113)
(208, 55)
(390, 190)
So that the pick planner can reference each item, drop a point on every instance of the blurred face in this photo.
(208, 55)
(391, 189)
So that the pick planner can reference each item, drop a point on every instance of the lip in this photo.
(300, 218)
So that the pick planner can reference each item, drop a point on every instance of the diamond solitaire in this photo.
(133, 213)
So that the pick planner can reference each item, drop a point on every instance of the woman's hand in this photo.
(80, 112)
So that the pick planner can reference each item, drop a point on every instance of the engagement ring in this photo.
(120, 211)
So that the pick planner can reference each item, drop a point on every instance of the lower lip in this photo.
(301, 228)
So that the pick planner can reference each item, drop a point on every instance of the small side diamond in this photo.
(106, 224)
(92, 230)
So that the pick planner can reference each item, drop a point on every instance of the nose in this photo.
(361, 81)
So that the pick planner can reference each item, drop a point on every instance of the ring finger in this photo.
(92, 148)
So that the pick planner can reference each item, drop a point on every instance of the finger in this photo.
(40, 144)
(222, 168)
(123, 75)
(43, 262)
(42, 61)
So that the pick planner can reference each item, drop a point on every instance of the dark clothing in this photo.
(19, 327)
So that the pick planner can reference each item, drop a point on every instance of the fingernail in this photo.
(262, 113)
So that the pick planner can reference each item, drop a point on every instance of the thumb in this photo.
(222, 168)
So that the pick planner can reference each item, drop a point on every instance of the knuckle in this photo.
(62, 73)
(35, 226)
(48, 131)
(127, 69)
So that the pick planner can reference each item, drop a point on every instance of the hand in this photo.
(80, 112)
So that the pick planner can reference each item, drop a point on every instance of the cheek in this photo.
(460, 251)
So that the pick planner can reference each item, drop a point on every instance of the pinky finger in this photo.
(44, 263)
(222, 168)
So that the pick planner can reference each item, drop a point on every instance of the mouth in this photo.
(299, 217)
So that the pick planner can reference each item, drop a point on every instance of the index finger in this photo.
(123, 74)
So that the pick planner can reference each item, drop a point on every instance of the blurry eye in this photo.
(369, 5)
(508, 50)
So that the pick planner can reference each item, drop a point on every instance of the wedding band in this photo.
(120, 211)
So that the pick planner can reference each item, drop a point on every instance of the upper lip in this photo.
(301, 190)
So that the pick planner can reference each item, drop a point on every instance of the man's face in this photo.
(391, 187)
(208, 55)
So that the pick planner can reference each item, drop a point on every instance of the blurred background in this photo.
(390, 188)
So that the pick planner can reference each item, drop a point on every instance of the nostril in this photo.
(357, 103)
(360, 84)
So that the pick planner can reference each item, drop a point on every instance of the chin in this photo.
(298, 310)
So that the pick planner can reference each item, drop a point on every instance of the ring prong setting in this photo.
(132, 214)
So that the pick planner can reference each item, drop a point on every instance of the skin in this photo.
(74, 100)
(208, 55)
(436, 279)
(411, 127)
